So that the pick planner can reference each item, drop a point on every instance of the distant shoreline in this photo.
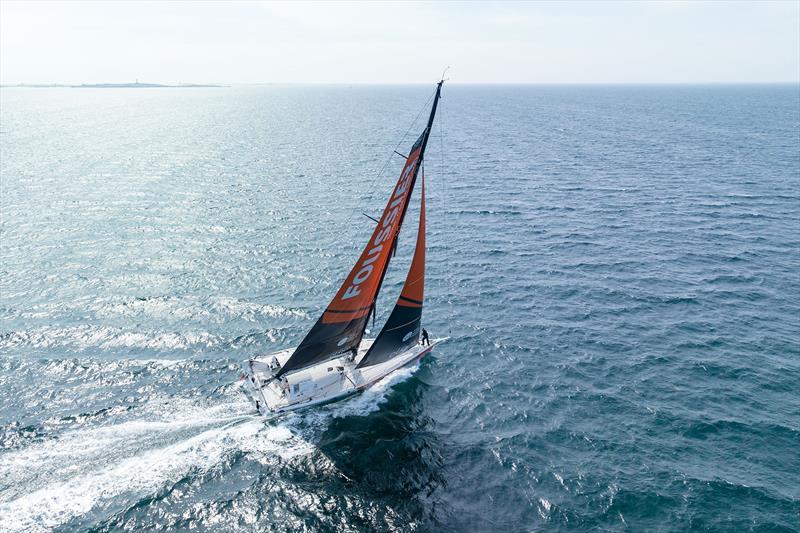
(135, 85)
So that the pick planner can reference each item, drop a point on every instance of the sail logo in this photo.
(408, 336)
(388, 222)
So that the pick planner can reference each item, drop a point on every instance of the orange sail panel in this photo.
(401, 330)
(414, 287)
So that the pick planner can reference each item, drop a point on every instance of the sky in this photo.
(399, 42)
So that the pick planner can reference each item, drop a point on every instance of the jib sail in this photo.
(402, 329)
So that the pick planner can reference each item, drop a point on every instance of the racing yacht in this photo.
(334, 360)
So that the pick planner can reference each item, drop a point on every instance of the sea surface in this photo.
(617, 268)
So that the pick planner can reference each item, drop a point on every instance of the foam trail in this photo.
(67, 477)
(73, 475)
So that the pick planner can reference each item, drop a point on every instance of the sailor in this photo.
(425, 339)
(353, 354)
(274, 364)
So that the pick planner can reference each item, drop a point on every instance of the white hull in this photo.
(322, 383)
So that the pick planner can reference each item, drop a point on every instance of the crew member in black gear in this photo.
(425, 339)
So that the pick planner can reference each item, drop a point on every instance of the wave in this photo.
(218, 310)
(83, 337)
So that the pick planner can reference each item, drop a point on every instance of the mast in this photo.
(341, 327)
(424, 137)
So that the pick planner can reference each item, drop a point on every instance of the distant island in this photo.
(135, 85)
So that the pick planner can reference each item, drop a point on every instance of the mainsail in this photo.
(401, 330)
(341, 327)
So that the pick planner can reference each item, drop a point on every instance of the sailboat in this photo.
(334, 360)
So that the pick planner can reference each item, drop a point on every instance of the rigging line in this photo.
(371, 189)
(449, 272)
(341, 372)
(375, 220)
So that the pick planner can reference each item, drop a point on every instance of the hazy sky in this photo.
(252, 42)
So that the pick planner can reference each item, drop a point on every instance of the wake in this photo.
(47, 484)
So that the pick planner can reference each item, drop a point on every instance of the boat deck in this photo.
(322, 383)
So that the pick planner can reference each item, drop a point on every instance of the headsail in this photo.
(401, 330)
(341, 326)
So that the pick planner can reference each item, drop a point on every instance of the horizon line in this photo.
(377, 83)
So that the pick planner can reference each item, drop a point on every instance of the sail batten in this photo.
(342, 324)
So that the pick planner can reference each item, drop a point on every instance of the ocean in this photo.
(617, 268)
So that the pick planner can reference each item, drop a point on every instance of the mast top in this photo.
(443, 79)
(427, 132)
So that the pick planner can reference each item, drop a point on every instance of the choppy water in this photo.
(619, 268)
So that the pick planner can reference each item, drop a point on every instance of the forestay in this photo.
(402, 329)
